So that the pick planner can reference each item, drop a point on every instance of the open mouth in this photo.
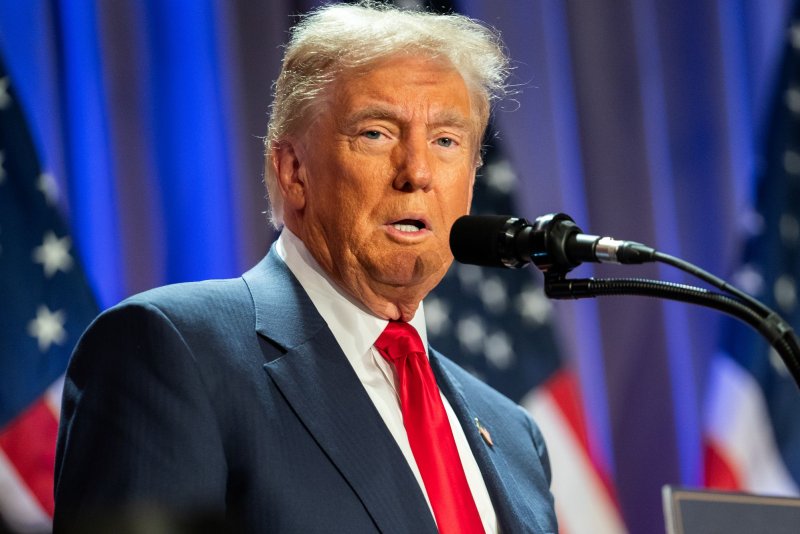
(409, 225)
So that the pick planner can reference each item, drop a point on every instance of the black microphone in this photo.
(554, 243)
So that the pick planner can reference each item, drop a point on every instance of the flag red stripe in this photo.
(565, 391)
(29, 442)
(719, 472)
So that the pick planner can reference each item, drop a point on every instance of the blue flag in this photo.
(752, 423)
(45, 304)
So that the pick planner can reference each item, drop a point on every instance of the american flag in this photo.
(752, 426)
(45, 304)
(497, 324)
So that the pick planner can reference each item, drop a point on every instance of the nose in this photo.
(414, 166)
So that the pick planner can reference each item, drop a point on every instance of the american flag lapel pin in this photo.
(484, 433)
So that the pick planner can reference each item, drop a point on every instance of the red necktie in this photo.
(429, 432)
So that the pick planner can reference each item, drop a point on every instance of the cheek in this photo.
(458, 200)
(350, 205)
(361, 188)
(331, 189)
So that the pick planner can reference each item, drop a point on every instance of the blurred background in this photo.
(131, 157)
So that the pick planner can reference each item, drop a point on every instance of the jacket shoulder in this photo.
(194, 300)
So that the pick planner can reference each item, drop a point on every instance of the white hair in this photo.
(339, 38)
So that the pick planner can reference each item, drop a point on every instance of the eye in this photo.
(372, 134)
(445, 142)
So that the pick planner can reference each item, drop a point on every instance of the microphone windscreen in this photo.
(477, 239)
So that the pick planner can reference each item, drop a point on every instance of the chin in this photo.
(407, 269)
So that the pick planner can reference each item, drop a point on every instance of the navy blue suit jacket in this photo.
(233, 397)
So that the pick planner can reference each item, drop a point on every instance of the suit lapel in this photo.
(325, 393)
(513, 514)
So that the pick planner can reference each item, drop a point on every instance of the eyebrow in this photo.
(379, 112)
(372, 112)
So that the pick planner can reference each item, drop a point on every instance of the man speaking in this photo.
(303, 397)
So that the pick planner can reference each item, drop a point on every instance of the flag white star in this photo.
(785, 292)
(750, 279)
(792, 99)
(498, 350)
(468, 276)
(48, 328)
(49, 188)
(789, 228)
(437, 314)
(778, 364)
(493, 294)
(470, 333)
(533, 305)
(750, 223)
(53, 254)
(5, 98)
(500, 176)
(794, 36)
(791, 162)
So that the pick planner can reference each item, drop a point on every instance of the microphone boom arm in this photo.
(771, 326)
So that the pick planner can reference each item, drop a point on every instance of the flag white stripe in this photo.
(737, 421)
(19, 507)
(582, 501)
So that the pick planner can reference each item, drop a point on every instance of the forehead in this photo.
(404, 86)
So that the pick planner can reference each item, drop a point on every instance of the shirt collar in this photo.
(355, 328)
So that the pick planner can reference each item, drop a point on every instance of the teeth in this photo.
(406, 227)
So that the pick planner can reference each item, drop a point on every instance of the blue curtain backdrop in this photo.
(643, 119)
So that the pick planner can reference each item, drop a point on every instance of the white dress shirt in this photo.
(356, 331)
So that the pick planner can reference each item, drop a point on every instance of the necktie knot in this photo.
(398, 340)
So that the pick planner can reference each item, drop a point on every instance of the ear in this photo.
(286, 158)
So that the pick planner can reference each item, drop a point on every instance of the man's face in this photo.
(386, 167)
